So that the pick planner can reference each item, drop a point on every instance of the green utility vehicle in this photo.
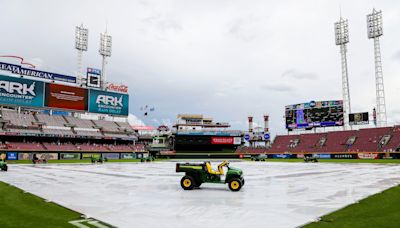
(198, 173)
(260, 157)
(310, 159)
(95, 160)
(147, 159)
(3, 165)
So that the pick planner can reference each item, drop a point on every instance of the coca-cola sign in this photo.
(117, 88)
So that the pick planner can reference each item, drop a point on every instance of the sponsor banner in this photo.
(343, 156)
(65, 97)
(111, 155)
(108, 102)
(16, 69)
(323, 156)
(12, 156)
(41, 156)
(367, 156)
(90, 155)
(282, 155)
(237, 140)
(21, 92)
(128, 155)
(300, 155)
(222, 140)
(71, 156)
(93, 77)
(117, 88)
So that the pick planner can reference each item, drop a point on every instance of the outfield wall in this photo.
(13, 155)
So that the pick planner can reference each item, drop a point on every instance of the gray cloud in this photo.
(278, 87)
(292, 73)
(396, 56)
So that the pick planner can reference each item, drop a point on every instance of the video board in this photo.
(314, 114)
(359, 118)
(66, 97)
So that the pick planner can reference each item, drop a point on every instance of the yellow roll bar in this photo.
(220, 168)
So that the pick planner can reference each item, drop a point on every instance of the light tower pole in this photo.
(105, 51)
(374, 28)
(342, 38)
(81, 45)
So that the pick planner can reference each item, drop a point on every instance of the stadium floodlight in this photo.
(342, 38)
(105, 51)
(81, 44)
(375, 30)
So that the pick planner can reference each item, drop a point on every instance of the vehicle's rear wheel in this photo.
(235, 184)
(188, 182)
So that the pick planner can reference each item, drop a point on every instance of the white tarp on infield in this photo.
(149, 194)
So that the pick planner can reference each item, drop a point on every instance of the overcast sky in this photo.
(224, 59)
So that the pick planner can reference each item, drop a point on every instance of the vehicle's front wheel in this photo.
(235, 184)
(188, 182)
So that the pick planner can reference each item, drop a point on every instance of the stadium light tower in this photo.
(81, 44)
(342, 38)
(374, 29)
(105, 51)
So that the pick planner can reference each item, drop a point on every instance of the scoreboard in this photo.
(314, 114)
(358, 118)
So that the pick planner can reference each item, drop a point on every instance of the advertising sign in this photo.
(117, 88)
(72, 156)
(128, 156)
(222, 140)
(282, 155)
(16, 69)
(108, 102)
(367, 156)
(12, 156)
(247, 137)
(323, 156)
(343, 156)
(65, 97)
(93, 77)
(90, 155)
(41, 156)
(266, 136)
(111, 155)
(21, 92)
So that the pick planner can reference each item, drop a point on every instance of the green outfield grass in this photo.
(19, 209)
(380, 210)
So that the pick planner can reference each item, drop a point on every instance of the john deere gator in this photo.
(198, 173)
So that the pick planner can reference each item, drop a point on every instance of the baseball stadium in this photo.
(71, 157)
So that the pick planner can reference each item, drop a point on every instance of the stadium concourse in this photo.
(369, 140)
